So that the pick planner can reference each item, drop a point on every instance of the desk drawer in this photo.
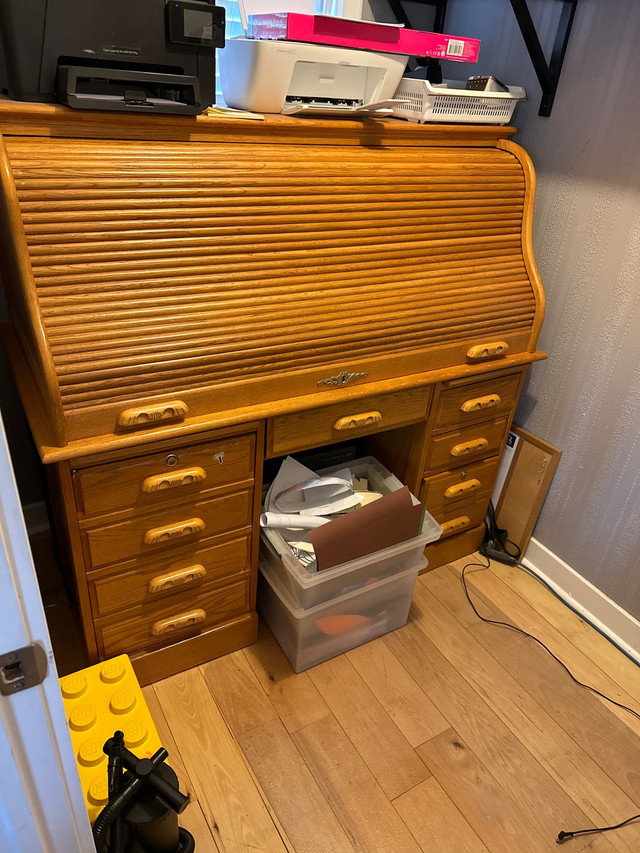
(349, 419)
(452, 488)
(463, 445)
(149, 581)
(186, 615)
(150, 480)
(159, 533)
(463, 516)
(476, 401)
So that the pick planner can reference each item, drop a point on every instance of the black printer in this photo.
(132, 55)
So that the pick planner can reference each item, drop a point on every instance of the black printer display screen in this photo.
(195, 23)
(198, 25)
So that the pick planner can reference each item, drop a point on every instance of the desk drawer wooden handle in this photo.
(173, 531)
(178, 578)
(455, 525)
(355, 421)
(469, 447)
(495, 349)
(460, 489)
(186, 477)
(172, 411)
(178, 623)
(480, 403)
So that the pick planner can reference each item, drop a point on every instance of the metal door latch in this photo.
(22, 668)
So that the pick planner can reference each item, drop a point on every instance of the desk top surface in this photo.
(39, 119)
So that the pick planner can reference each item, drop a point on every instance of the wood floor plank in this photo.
(408, 706)
(594, 724)
(599, 732)
(236, 690)
(193, 820)
(371, 822)
(572, 767)
(436, 823)
(293, 695)
(225, 788)
(512, 765)
(167, 740)
(497, 820)
(619, 667)
(488, 584)
(192, 817)
(302, 808)
(382, 746)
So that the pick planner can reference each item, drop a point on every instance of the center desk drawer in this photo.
(186, 569)
(474, 442)
(348, 419)
(163, 530)
(148, 480)
(186, 615)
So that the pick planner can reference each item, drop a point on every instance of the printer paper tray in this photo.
(380, 108)
(95, 88)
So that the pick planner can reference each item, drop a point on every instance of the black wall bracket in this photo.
(548, 73)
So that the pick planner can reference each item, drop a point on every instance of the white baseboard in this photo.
(36, 518)
(607, 616)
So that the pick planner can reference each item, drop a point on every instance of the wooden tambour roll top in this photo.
(194, 270)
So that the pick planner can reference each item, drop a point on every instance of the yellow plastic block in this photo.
(98, 701)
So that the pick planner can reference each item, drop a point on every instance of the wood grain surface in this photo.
(511, 750)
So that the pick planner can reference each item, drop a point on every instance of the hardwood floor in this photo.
(448, 735)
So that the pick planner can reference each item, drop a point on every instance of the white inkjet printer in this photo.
(272, 72)
(285, 76)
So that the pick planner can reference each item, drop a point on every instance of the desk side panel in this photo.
(29, 345)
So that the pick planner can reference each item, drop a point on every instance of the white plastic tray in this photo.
(426, 103)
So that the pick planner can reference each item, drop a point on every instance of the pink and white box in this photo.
(363, 35)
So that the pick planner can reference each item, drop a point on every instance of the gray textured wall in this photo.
(585, 398)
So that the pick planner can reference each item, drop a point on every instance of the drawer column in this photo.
(469, 423)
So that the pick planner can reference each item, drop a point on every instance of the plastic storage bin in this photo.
(427, 102)
(309, 637)
(307, 589)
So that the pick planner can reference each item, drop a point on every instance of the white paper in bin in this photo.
(383, 606)
(310, 588)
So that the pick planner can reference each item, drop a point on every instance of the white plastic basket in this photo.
(426, 102)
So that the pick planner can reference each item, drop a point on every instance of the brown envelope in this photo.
(388, 521)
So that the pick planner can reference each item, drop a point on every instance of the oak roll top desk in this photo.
(191, 296)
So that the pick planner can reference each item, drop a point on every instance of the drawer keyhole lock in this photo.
(463, 475)
(219, 457)
(171, 460)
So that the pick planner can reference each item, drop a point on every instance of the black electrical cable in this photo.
(562, 836)
(565, 836)
(539, 642)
